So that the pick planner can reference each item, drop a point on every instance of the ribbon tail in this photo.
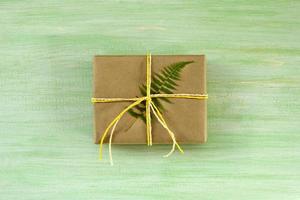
(116, 119)
(161, 120)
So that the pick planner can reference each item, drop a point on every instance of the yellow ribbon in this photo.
(150, 106)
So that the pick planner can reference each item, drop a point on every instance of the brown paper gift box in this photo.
(120, 77)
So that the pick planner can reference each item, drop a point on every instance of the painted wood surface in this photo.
(253, 52)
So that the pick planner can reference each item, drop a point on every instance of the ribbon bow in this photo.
(150, 106)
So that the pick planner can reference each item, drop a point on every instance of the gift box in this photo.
(124, 77)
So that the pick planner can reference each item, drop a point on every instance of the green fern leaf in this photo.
(163, 82)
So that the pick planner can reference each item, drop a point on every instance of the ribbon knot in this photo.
(150, 106)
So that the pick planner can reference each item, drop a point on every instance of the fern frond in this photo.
(163, 82)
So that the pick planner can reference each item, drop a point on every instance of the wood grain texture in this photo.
(253, 52)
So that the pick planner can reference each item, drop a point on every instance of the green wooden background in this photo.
(253, 52)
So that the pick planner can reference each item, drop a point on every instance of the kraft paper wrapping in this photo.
(121, 76)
